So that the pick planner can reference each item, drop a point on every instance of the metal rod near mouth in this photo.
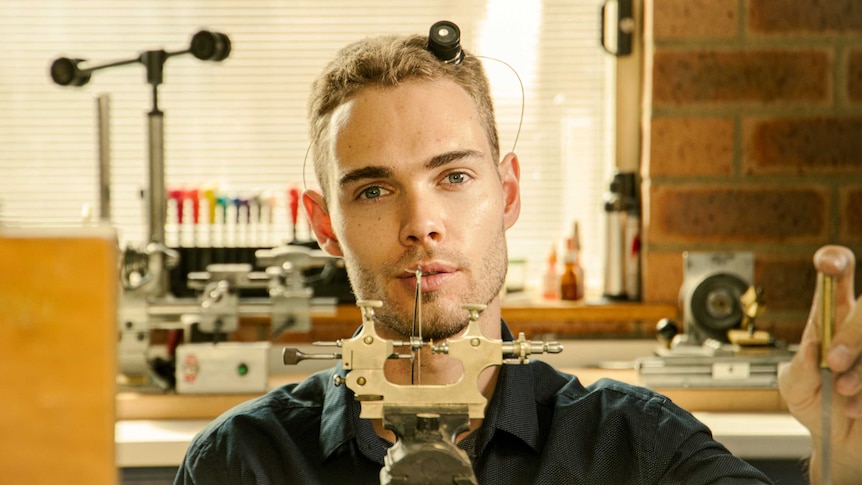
(415, 372)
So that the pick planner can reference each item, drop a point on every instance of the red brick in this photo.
(787, 319)
(803, 145)
(691, 146)
(851, 215)
(662, 276)
(725, 214)
(796, 16)
(756, 76)
(788, 281)
(854, 76)
(695, 19)
(784, 327)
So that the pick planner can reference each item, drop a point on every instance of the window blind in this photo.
(239, 125)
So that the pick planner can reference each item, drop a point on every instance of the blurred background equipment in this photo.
(711, 293)
(222, 284)
(719, 345)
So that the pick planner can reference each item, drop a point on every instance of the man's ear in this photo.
(510, 174)
(321, 223)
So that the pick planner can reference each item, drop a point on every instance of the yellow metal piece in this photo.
(827, 315)
(827, 324)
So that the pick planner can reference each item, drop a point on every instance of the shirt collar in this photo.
(335, 426)
(340, 422)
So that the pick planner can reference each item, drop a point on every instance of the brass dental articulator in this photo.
(425, 418)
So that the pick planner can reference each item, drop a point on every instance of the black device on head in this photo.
(444, 41)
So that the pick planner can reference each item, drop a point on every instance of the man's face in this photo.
(413, 184)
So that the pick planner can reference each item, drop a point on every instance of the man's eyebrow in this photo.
(378, 172)
(364, 173)
(444, 158)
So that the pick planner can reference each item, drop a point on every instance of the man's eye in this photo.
(456, 178)
(371, 193)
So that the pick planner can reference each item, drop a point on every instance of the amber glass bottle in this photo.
(569, 281)
(572, 279)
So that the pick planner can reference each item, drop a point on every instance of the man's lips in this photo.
(434, 276)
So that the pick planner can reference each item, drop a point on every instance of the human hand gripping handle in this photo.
(800, 383)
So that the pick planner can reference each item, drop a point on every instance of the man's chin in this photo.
(436, 324)
(438, 333)
(440, 324)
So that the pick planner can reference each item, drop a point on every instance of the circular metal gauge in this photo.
(715, 304)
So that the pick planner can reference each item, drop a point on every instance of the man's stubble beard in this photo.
(441, 319)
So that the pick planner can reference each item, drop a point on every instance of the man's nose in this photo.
(421, 219)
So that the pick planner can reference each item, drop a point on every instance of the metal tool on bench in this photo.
(147, 304)
(222, 367)
(720, 346)
(214, 366)
(425, 418)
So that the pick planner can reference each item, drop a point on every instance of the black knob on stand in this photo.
(210, 46)
(666, 329)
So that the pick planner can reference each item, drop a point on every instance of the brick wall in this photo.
(753, 141)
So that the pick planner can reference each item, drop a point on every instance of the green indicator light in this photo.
(242, 369)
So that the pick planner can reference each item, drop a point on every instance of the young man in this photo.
(405, 149)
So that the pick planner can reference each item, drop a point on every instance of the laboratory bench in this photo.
(152, 443)
(601, 340)
(153, 430)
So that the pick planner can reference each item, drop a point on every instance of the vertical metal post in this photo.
(157, 200)
(103, 107)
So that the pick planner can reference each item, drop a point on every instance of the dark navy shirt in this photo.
(541, 426)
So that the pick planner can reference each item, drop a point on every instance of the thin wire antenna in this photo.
(523, 97)
(304, 162)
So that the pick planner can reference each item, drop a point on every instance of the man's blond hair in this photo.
(385, 62)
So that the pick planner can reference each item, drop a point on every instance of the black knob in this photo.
(210, 46)
(65, 72)
(444, 41)
(291, 356)
(667, 329)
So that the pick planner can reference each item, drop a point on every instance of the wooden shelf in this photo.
(579, 311)
(585, 320)
(556, 318)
